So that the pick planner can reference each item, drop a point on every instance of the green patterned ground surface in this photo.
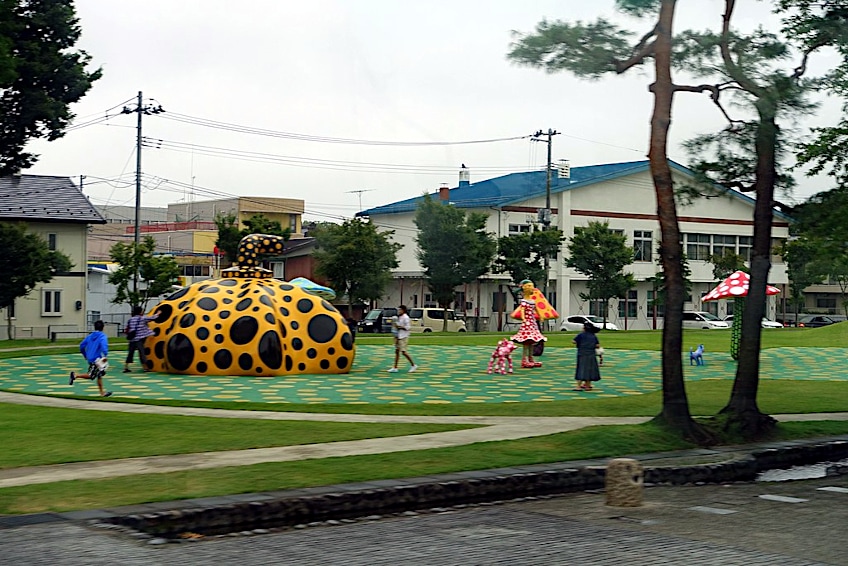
(447, 374)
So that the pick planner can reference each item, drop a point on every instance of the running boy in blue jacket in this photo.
(95, 348)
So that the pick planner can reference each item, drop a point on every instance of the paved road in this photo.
(797, 523)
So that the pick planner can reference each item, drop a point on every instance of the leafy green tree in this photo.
(801, 257)
(40, 75)
(229, 234)
(453, 248)
(590, 51)
(821, 249)
(523, 255)
(726, 264)
(601, 255)
(156, 274)
(26, 261)
(355, 258)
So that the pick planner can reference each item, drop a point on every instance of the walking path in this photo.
(492, 429)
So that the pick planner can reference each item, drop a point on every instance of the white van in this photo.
(432, 320)
(703, 320)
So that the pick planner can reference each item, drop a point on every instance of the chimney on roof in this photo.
(464, 176)
(444, 193)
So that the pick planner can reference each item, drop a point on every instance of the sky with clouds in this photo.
(276, 97)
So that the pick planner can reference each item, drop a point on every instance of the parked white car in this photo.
(765, 324)
(704, 320)
(575, 323)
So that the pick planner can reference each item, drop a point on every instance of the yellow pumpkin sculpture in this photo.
(248, 323)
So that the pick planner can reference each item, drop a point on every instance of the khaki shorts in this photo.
(401, 344)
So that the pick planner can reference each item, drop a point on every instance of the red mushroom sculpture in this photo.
(736, 287)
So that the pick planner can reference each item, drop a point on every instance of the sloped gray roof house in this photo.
(56, 209)
(45, 198)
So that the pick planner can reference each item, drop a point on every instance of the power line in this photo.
(320, 139)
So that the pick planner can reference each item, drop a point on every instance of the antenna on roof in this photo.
(360, 191)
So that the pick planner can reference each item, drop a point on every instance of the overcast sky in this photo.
(366, 70)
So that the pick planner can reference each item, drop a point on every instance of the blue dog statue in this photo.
(696, 356)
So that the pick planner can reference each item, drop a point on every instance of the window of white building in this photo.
(697, 247)
(519, 229)
(643, 244)
(630, 304)
(51, 302)
(724, 245)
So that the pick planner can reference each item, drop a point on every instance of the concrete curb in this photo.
(261, 512)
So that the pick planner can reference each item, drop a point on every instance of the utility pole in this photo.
(139, 109)
(545, 213)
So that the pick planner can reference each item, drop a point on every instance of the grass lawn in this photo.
(38, 435)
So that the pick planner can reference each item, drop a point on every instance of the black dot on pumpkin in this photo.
(256, 308)
(203, 333)
(207, 304)
(328, 306)
(201, 367)
(301, 366)
(224, 314)
(284, 311)
(187, 320)
(269, 318)
(245, 361)
(218, 326)
(211, 290)
(219, 338)
(206, 318)
(178, 294)
(304, 305)
(223, 359)
(283, 329)
(226, 300)
(266, 300)
(163, 312)
(295, 325)
(228, 282)
(289, 363)
(297, 344)
(287, 298)
(331, 350)
(322, 328)
(341, 363)
(311, 353)
(244, 330)
(347, 341)
(203, 349)
(180, 352)
(271, 350)
(243, 304)
(325, 364)
(286, 287)
(159, 350)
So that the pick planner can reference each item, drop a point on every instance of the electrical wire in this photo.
(320, 139)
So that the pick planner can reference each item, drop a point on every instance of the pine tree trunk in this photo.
(742, 410)
(675, 407)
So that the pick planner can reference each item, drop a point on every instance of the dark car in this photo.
(377, 320)
(817, 320)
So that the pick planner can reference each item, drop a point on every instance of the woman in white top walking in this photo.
(402, 325)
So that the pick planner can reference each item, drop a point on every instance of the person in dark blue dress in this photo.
(587, 362)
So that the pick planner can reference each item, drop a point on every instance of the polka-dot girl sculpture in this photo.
(249, 323)
(532, 308)
(736, 287)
